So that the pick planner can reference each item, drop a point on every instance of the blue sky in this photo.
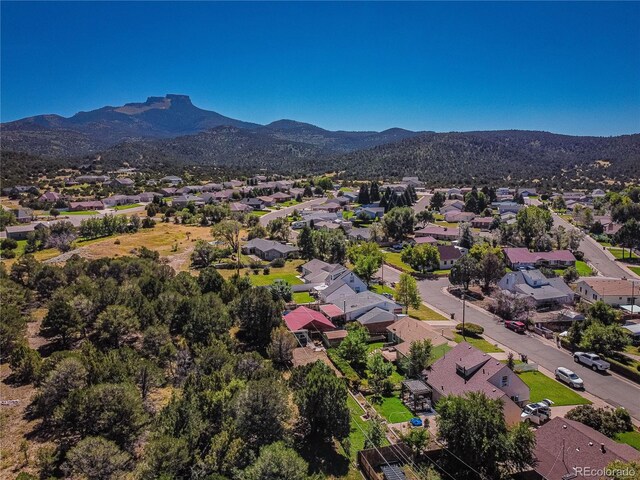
(563, 67)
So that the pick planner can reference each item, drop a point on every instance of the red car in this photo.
(517, 327)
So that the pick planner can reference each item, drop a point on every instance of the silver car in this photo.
(569, 377)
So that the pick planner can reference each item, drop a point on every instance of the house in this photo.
(466, 369)
(533, 284)
(50, 197)
(596, 193)
(370, 213)
(527, 192)
(455, 216)
(450, 209)
(171, 179)
(121, 182)
(359, 234)
(115, 200)
(232, 184)
(254, 203)
(358, 304)
(212, 187)
(350, 196)
(303, 322)
(183, 200)
(507, 207)
(408, 330)
(239, 208)
(267, 201)
(92, 179)
(483, 223)
(449, 255)
(316, 272)
(522, 258)
(149, 196)
(267, 249)
(612, 291)
(20, 232)
(421, 240)
(438, 232)
(86, 205)
(168, 191)
(377, 320)
(413, 181)
(634, 331)
(23, 215)
(566, 449)
(341, 283)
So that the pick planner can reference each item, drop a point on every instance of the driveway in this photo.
(264, 220)
(597, 255)
(613, 389)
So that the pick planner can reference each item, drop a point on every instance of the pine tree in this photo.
(363, 196)
(374, 192)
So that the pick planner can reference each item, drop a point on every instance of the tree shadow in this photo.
(324, 458)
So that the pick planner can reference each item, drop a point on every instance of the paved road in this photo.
(594, 253)
(610, 388)
(264, 220)
(423, 203)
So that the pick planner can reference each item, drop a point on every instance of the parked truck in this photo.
(591, 360)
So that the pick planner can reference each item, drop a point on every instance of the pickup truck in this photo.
(591, 360)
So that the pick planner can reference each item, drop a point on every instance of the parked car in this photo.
(387, 295)
(569, 377)
(537, 413)
(397, 247)
(517, 327)
(591, 360)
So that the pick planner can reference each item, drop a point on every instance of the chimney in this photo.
(602, 449)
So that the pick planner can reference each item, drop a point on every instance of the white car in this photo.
(570, 378)
(537, 413)
(591, 360)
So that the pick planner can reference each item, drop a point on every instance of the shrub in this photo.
(117, 242)
(470, 329)
(266, 270)
(278, 263)
(579, 255)
(8, 244)
(9, 254)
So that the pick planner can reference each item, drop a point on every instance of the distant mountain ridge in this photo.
(163, 117)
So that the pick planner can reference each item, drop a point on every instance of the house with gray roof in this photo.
(183, 200)
(358, 304)
(267, 249)
(534, 285)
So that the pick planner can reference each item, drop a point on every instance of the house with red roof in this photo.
(522, 258)
(304, 321)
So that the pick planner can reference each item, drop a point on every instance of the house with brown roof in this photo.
(466, 369)
(566, 449)
(408, 330)
(449, 255)
(483, 223)
(612, 291)
(438, 232)
(86, 205)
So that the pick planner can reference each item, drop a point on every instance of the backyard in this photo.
(542, 387)
(391, 408)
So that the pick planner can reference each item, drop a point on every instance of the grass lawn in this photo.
(80, 212)
(393, 259)
(381, 289)
(635, 270)
(374, 346)
(261, 280)
(630, 438)
(447, 224)
(346, 189)
(425, 313)
(259, 213)
(617, 253)
(289, 270)
(583, 269)
(478, 342)
(289, 203)
(303, 297)
(392, 409)
(125, 207)
(439, 351)
(544, 387)
(604, 244)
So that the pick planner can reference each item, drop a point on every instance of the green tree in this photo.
(25, 363)
(416, 439)
(424, 217)
(210, 280)
(363, 195)
(399, 222)
(115, 324)
(629, 235)
(62, 320)
(67, 376)
(603, 313)
(165, 456)
(280, 349)
(261, 410)
(257, 314)
(422, 258)
(95, 458)
(277, 462)
(486, 445)
(306, 244)
(367, 259)
(466, 236)
(407, 293)
(419, 357)
(532, 222)
(278, 229)
(228, 231)
(321, 398)
(12, 327)
(464, 271)
(490, 264)
(379, 371)
(604, 339)
(375, 435)
(203, 254)
(354, 347)
(257, 231)
(281, 290)
(437, 201)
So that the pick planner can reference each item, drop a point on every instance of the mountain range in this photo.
(173, 132)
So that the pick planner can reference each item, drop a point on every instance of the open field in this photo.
(544, 387)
